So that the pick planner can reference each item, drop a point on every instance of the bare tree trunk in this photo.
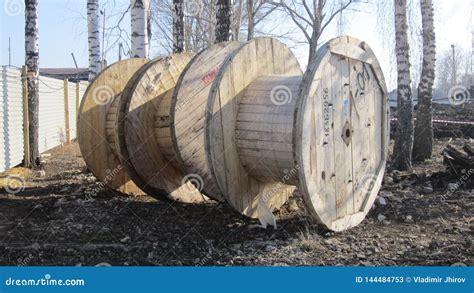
(223, 17)
(251, 20)
(178, 26)
(404, 137)
(237, 19)
(148, 24)
(32, 63)
(93, 37)
(139, 19)
(316, 34)
(423, 142)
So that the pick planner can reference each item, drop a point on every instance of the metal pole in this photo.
(74, 58)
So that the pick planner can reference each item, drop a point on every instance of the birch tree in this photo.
(178, 26)
(139, 19)
(402, 152)
(32, 63)
(93, 37)
(223, 20)
(423, 140)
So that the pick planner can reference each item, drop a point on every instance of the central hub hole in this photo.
(348, 132)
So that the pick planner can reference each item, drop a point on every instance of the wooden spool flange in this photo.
(97, 135)
(341, 133)
(187, 114)
(325, 132)
(144, 133)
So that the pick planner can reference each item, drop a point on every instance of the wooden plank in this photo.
(362, 145)
(351, 52)
(78, 87)
(325, 170)
(66, 111)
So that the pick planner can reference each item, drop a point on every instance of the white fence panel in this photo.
(11, 118)
(72, 110)
(52, 115)
(52, 122)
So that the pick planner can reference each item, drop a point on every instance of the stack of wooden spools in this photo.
(241, 123)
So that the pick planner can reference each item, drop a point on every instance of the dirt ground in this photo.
(415, 221)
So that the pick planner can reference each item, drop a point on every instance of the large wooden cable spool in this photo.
(188, 108)
(97, 135)
(225, 131)
(325, 132)
(241, 123)
(144, 130)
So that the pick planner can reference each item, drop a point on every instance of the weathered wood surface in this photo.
(257, 58)
(344, 103)
(144, 130)
(244, 124)
(188, 113)
(96, 123)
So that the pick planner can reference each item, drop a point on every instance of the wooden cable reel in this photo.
(144, 130)
(190, 120)
(268, 129)
(245, 123)
(96, 125)
(138, 91)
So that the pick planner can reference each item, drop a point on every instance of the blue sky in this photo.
(63, 30)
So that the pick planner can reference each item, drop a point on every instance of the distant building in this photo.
(72, 74)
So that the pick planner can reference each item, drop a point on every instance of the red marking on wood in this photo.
(208, 78)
